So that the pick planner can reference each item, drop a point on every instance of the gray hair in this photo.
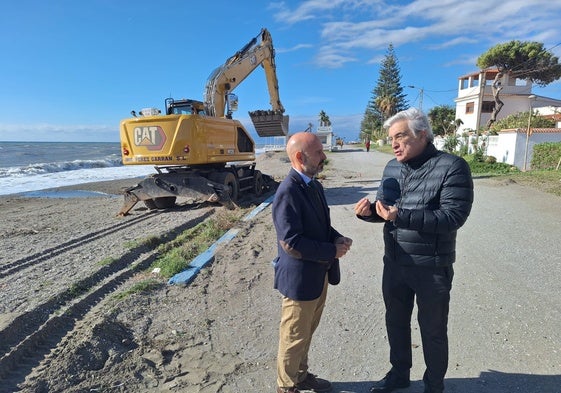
(416, 121)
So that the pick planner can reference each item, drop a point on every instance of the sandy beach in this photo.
(58, 293)
(64, 326)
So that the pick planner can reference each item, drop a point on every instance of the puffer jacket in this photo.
(434, 194)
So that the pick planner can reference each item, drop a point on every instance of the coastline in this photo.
(32, 178)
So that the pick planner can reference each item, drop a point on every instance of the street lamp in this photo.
(421, 90)
(530, 99)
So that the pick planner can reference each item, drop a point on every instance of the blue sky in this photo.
(72, 70)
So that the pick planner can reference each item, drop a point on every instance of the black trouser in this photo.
(431, 286)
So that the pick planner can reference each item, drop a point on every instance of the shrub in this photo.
(450, 143)
(478, 166)
(478, 155)
(464, 149)
(520, 120)
(546, 155)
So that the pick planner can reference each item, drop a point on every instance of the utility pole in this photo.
(531, 98)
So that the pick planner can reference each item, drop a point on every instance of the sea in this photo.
(33, 166)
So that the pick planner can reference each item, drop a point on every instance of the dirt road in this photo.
(505, 321)
(219, 334)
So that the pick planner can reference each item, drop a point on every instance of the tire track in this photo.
(14, 267)
(28, 338)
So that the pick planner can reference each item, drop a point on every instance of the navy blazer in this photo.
(305, 226)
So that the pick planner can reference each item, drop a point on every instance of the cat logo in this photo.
(151, 137)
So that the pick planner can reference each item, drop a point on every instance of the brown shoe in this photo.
(313, 383)
(288, 390)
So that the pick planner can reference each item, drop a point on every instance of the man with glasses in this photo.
(424, 197)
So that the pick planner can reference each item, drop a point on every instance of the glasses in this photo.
(401, 136)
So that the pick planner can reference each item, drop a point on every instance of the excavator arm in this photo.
(224, 79)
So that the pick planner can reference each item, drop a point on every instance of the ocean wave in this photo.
(54, 167)
(15, 185)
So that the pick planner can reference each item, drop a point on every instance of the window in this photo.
(469, 107)
(245, 145)
(487, 106)
(182, 110)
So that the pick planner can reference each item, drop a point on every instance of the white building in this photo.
(327, 137)
(475, 103)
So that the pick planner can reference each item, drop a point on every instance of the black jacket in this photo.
(434, 194)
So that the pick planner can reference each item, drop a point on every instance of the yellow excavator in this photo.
(198, 150)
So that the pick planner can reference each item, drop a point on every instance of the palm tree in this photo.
(324, 119)
(387, 106)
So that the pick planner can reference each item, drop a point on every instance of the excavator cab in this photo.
(184, 107)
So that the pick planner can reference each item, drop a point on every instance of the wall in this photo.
(510, 145)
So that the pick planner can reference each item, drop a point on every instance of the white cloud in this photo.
(350, 36)
(311, 9)
(376, 59)
(329, 57)
(453, 42)
(466, 59)
(294, 48)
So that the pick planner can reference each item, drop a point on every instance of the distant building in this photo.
(475, 101)
(327, 137)
(474, 106)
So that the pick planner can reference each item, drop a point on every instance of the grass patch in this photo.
(151, 242)
(176, 255)
(386, 148)
(107, 261)
(77, 289)
(546, 181)
(143, 286)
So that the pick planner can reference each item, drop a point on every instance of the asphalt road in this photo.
(505, 319)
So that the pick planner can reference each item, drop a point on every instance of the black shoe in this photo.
(313, 383)
(431, 388)
(390, 382)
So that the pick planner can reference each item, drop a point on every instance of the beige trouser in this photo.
(299, 320)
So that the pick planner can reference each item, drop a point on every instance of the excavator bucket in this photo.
(269, 123)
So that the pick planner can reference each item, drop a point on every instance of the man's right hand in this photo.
(343, 245)
(341, 249)
(362, 207)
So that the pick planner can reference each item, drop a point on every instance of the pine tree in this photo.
(520, 59)
(387, 98)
